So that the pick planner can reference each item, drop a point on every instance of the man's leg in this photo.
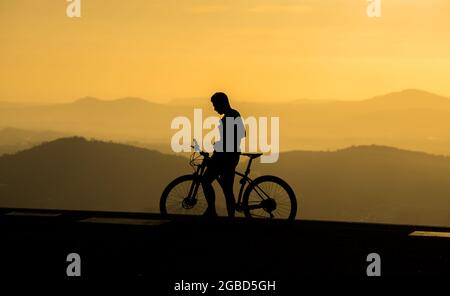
(228, 182)
(208, 178)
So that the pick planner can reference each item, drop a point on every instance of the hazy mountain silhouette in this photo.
(410, 119)
(403, 100)
(13, 139)
(368, 183)
(410, 98)
(129, 102)
(73, 173)
(188, 102)
(4, 104)
(125, 119)
(310, 101)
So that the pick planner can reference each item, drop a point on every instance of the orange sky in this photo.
(253, 49)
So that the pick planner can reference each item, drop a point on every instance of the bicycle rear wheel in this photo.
(183, 196)
(269, 197)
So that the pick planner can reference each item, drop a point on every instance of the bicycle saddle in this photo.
(252, 155)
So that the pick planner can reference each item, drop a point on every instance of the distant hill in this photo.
(7, 104)
(73, 173)
(13, 139)
(189, 102)
(122, 102)
(410, 98)
(366, 183)
(124, 119)
(409, 119)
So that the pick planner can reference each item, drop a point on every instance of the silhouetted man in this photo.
(226, 155)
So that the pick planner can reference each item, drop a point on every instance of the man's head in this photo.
(220, 102)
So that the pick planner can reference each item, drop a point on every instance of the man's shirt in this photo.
(232, 131)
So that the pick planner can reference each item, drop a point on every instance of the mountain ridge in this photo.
(422, 125)
(122, 100)
(371, 183)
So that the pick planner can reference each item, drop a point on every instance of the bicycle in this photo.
(268, 196)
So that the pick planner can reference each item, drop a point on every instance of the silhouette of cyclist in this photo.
(225, 158)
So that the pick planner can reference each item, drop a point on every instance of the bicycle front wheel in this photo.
(269, 197)
(183, 196)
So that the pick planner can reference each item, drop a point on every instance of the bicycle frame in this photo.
(245, 181)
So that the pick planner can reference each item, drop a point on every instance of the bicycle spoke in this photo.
(282, 207)
(176, 198)
(258, 215)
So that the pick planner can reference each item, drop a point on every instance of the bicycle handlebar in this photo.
(202, 153)
(196, 148)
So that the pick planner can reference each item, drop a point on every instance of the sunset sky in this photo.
(255, 50)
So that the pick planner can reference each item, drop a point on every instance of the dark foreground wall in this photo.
(35, 244)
